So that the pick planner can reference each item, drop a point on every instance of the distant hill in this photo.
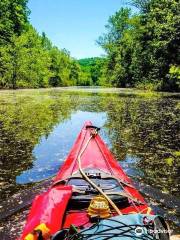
(89, 61)
(93, 66)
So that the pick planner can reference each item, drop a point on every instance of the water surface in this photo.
(38, 128)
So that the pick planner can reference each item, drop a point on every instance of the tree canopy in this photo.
(94, 68)
(28, 59)
(143, 48)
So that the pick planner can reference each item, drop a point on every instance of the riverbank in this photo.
(96, 89)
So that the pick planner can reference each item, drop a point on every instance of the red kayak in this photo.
(91, 198)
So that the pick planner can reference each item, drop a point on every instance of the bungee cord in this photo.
(93, 135)
(105, 234)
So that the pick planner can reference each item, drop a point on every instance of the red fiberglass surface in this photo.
(47, 208)
(50, 207)
(96, 156)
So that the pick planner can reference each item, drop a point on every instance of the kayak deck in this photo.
(66, 202)
(96, 156)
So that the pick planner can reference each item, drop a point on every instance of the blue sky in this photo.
(73, 24)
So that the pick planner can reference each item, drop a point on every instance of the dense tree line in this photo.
(143, 49)
(94, 68)
(28, 59)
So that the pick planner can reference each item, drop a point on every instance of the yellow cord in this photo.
(89, 180)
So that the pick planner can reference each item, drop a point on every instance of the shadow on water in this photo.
(38, 128)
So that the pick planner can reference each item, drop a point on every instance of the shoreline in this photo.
(97, 89)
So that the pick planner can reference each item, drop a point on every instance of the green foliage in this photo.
(177, 153)
(169, 161)
(161, 39)
(93, 69)
(142, 49)
(6, 67)
(118, 43)
(117, 25)
(14, 17)
(142, 5)
(174, 77)
(146, 128)
(59, 67)
(25, 117)
(28, 60)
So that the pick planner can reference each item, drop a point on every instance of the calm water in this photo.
(38, 128)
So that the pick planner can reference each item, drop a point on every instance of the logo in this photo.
(139, 231)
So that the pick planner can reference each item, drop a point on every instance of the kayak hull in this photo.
(51, 207)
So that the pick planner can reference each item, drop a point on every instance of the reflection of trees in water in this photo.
(147, 128)
(22, 124)
(15, 155)
(143, 127)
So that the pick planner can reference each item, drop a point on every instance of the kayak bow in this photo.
(92, 198)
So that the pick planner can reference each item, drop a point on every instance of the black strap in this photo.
(94, 127)
(39, 234)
